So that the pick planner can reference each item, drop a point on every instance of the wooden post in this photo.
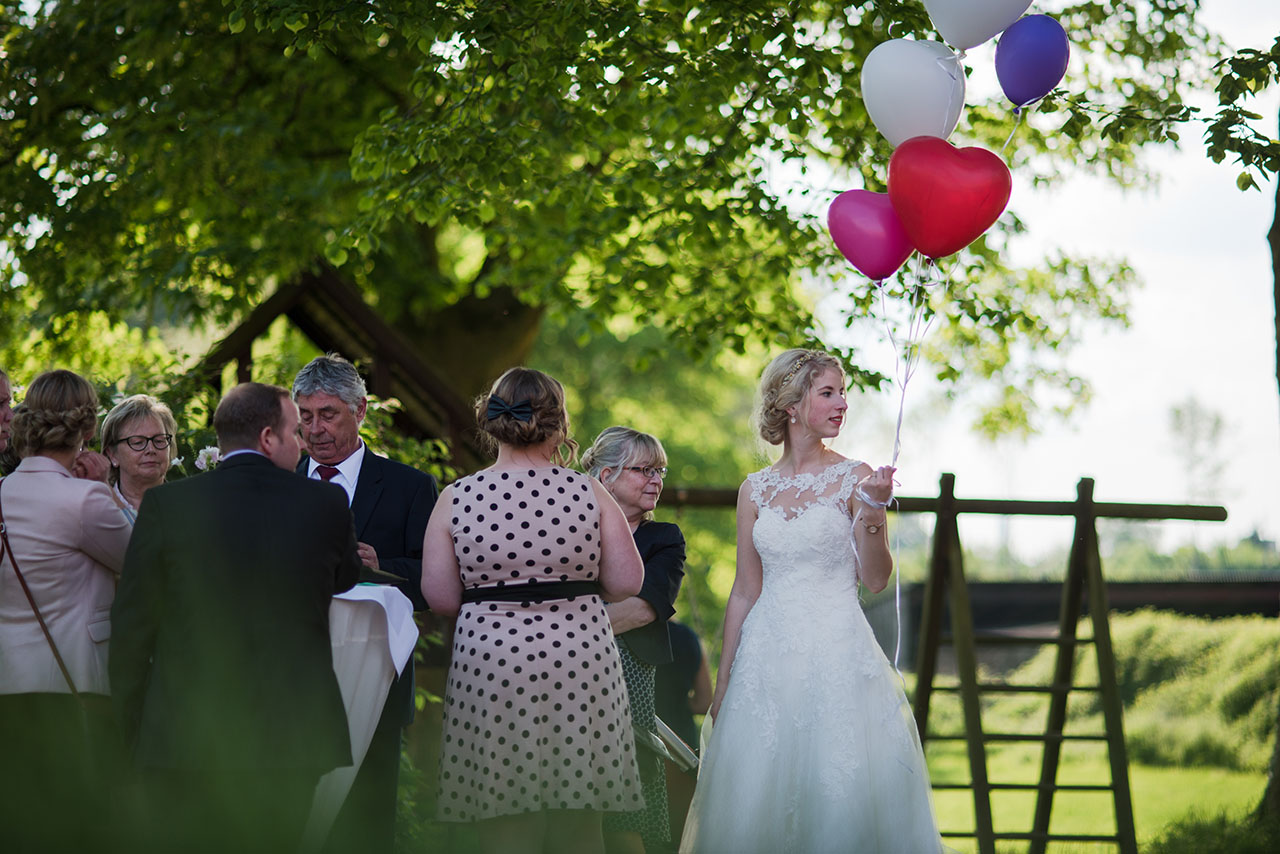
(1108, 685)
(931, 609)
(1064, 667)
(967, 668)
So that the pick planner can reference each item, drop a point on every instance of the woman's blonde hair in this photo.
(784, 385)
(547, 417)
(618, 447)
(132, 408)
(59, 412)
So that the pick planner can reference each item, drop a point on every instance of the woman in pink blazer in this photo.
(68, 537)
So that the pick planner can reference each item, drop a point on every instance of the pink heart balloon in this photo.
(868, 232)
(946, 197)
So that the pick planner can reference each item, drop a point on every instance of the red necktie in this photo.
(326, 472)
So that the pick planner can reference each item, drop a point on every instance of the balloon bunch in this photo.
(941, 198)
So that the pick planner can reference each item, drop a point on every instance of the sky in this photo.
(1202, 328)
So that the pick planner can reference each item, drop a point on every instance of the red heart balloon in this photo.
(946, 197)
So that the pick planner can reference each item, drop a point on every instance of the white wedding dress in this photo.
(814, 749)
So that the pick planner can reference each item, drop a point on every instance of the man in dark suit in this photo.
(221, 665)
(391, 503)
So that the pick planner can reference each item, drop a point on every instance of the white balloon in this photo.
(913, 88)
(969, 23)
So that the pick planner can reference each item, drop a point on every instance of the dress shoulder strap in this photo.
(849, 482)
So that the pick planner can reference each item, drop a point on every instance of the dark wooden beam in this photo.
(240, 340)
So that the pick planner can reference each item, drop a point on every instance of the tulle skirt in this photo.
(815, 749)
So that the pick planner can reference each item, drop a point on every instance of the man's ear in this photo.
(266, 439)
(361, 409)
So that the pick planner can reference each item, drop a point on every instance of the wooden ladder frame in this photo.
(946, 586)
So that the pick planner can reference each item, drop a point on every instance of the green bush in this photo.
(1218, 835)
(1195, 691)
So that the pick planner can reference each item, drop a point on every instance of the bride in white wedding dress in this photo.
(813, 748)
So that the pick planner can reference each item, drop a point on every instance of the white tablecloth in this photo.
(373, 634)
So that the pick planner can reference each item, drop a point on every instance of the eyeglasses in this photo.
(139, 443)
(649, 471)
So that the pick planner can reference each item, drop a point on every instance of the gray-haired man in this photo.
(390, 503)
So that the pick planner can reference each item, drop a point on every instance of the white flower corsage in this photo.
(207, 458)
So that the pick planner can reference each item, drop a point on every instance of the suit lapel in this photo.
(368, 490)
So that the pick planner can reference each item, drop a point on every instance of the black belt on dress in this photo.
(532, 591)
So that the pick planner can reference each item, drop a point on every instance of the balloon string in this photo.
(1017, 111)
(897, 604)
(907, 360)
(916, 329)
(897, 584)
(910, 349)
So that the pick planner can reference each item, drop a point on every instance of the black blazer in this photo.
(661, 548)
(391, 506)
(220, 650)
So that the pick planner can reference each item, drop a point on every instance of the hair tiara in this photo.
(800, 363)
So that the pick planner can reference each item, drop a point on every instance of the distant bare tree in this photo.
(1199, 432)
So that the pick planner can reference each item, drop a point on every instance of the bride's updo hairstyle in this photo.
(784, 384)
(59, 412)
(524, 408)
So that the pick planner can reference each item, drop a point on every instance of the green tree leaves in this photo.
(170, 163)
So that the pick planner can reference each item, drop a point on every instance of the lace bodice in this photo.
(803, 531)
(791, 496)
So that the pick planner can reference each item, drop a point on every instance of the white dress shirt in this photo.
(348, 471)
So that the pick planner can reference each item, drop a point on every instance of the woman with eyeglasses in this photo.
(631, 465)
(64, 541)
(137, 438)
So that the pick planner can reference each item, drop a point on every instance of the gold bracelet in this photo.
(875, 528)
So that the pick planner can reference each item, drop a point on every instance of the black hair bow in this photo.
(521, 411)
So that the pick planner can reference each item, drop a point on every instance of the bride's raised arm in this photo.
(867, 504)
(746, 590)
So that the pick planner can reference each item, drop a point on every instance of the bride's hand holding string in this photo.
(875, 563)
(876, 489)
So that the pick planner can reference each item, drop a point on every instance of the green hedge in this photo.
(1218, 835)
(1195, 691)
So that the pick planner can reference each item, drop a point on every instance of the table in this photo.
(373, 634)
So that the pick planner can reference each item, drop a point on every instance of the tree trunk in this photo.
(474, 340)
(1270, 805)
(1273, 239)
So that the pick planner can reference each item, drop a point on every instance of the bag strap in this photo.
(117, 498)
(44, 627)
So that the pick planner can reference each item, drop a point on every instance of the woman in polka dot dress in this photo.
(537, 735)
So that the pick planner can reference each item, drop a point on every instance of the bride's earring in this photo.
(793, 419)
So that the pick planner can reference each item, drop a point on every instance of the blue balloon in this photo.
(1031, 58)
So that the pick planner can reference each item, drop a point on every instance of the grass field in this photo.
(1161, 796)
(1199, 707)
